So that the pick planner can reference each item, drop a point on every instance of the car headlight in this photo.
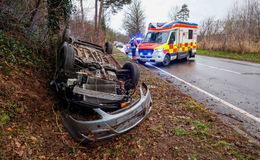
(159, 50)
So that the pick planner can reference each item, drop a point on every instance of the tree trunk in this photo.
(101, 6)
(82, 11)
(96, 12)
(34, 18)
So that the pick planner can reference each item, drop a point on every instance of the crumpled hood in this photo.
(149, 45)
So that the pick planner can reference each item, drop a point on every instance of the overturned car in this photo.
(87, 76)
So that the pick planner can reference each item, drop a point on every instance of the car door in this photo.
(172, 45)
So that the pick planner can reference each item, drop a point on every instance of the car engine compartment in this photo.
(88, 77)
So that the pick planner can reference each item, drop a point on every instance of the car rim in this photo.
(166, 60)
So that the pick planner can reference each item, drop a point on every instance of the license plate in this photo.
(145, 59)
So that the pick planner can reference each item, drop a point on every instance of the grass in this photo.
(195, 127)
(121, 57)
(15, 54)
(8, 111)
(115, 50)
(117, 54)
(222, 143)
(238, 56)
(237, 155)
(181, 132)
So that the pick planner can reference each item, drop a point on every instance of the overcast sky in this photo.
(157, 10)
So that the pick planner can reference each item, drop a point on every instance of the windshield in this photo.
(156, 37)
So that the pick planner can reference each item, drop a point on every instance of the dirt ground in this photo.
(177, 128)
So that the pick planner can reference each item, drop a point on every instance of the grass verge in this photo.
(238, 56)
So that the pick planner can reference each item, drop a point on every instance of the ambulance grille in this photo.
(145, 52)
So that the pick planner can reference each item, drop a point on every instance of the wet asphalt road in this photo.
(235, 82)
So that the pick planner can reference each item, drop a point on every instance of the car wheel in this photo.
(108, 48)
(188, 56)
(133, 76)
(65, 58)
(167, 60)
(141, 62)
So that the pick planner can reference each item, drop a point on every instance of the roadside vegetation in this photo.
(238, 32)
(231, 55)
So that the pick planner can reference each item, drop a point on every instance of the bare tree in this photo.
(115, 6)
(134, 20)
(238, 32)
(172, 14)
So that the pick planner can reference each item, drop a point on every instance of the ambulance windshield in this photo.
(156, 37)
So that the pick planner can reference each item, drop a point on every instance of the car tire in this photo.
(66, 58)
(134, 75)
(188, 55)
(192, 55)
(167, 60)
(108, 48)
(141, 62)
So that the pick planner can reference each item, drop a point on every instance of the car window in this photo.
(190, 36)
(156, 37)
(172, 38)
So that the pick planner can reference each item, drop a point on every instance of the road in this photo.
(228, 87)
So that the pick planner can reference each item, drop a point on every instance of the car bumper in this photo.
(154, 59)
(110, 124)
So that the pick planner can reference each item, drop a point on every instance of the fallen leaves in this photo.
(36, 135)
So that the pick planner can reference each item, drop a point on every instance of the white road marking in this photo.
(212, 96)
(222, 69)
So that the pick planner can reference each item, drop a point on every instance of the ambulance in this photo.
(165, 42)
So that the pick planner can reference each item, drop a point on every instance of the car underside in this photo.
(87, 76)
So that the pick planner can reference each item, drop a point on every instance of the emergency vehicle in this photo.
(165, 42)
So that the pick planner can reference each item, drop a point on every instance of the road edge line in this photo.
(212, 96)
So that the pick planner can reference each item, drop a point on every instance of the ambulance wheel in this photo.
(141, 62)
(188, 55)
(167, 60)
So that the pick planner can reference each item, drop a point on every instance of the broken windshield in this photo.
(156, 37)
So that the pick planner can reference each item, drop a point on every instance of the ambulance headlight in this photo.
(160, 50)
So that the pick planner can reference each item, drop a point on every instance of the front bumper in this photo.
(155, 58)
(110, 124)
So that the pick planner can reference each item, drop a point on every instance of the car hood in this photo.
(149, 45)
